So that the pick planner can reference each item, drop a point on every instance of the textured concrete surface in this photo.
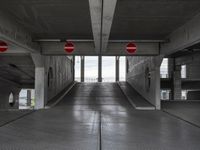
(186, 110)
(98, 116)
(135, 98)
(9, 116)
(144, 76)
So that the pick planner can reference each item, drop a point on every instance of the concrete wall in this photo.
(193, 95)
(6, 89)
(192, 63)
(144, 76)
(60, 75)
(192, 80)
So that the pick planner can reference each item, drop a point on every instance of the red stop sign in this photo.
(131, 48)
(3, 46)
(69, 47)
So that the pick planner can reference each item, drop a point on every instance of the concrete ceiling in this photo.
(151, 19)
(52, 18)
(192, 50)
(133, 19)
(18, 69)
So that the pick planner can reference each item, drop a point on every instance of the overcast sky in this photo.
(108, 67)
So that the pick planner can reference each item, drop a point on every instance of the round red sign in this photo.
(3, 46)
(131, 48)
(69, 47)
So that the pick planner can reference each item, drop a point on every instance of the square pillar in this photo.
(100, 69)
(117, 68)
(73, 68)
(29, 98)
(177, 83)
(82, 68)
(39, 87)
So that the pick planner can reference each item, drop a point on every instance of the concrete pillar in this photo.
(177, 83)
(117, 67)
(40, 80)
(28, 97)
(171, 64)
(100, 69)
(73, 68)
(82, 68)
(39, 87)
(16, 98)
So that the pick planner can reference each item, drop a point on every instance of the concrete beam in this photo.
(102, 13)
(184, 37)
(16, 35)
(142, 49)
(57, 48)
(87, 48)
(108, 14)
(96, 15)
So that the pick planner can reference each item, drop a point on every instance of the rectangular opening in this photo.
(108, 68)
(164, 69)
(27, 98)
(183, 71)
(165, 94)
(91, 69)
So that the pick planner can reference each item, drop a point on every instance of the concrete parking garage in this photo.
(154, 108)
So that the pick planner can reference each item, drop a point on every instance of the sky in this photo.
(108, 67)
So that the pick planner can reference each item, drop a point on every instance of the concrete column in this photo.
(40, 80)
(177, 83)
(171, 65)
(39, 87)
(28, 97)
(127, 67)
(73, 67)
(100, 69)
(82, 68)
(117, 67)
(16, 98)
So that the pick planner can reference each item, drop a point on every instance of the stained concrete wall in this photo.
(6, 89)
(144, 76)
(59, 72)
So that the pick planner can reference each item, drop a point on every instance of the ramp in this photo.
(136, 100)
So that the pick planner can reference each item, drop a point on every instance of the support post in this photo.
(177, 83)
(73, 69)
(82, 68)
(117, 68)
(40, 86)
(100, 69)
(29, 98)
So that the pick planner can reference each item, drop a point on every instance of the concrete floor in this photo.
(12, 115)
(98, 116)
(186, 110)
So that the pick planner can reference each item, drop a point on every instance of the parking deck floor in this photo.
(98, 116)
